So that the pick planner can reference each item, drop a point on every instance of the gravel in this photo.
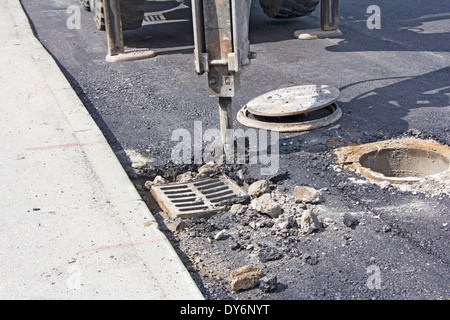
(307, 251)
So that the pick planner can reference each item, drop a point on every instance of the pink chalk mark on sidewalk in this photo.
(68, 145)
(123, 245)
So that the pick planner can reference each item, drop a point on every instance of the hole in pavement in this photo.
(404, 162)
(417, 163)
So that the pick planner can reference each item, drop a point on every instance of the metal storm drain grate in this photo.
(199, 198)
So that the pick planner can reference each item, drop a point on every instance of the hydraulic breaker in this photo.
(221, 50)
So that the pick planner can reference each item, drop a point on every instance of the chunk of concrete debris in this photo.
(237, 208)
(327, 221)
(268, 283)
(138, 161)
(273, 210)
(185, 177)
(284, 223)
(308, 222)
(148, 184)
(307, 194)
(266, 205)
(257, 188)
(207, 169)
(246, 277)
(220, 235)
(139, 165)
(240, 174)
(159, 180)
(176, 225)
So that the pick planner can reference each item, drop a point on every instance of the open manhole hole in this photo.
(292, 109)
(398, 161)
(198, 198)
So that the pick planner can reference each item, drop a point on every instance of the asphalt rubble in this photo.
(254, 238)
(297, 240)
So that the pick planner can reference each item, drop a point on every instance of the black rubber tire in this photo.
(285, 9)
(85, 5)
(132, 13)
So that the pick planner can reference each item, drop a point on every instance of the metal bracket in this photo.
(221, 42)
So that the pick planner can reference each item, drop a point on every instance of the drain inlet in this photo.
(200, 198)
(397, 161)
(405, 162)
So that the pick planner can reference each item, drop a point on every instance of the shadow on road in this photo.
(169, 25)
(404, 26)
(384, 110)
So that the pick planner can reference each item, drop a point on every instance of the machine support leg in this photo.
(113, 26)
(226, 124)
(329, 23)
(114, 32)
(329, 15)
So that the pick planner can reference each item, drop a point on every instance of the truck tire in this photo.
(85, 5)
(132, 13)
(284, 9)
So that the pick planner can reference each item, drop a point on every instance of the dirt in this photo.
(329, 258)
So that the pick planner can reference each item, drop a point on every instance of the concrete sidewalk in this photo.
(72, 225)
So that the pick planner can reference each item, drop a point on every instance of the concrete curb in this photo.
(126, 218)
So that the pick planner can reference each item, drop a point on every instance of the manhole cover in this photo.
(293, 100)
(296, 123)
(398, 161)
(199, 198)
(292, 109)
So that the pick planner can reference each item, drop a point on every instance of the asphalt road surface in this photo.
(394, 82)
